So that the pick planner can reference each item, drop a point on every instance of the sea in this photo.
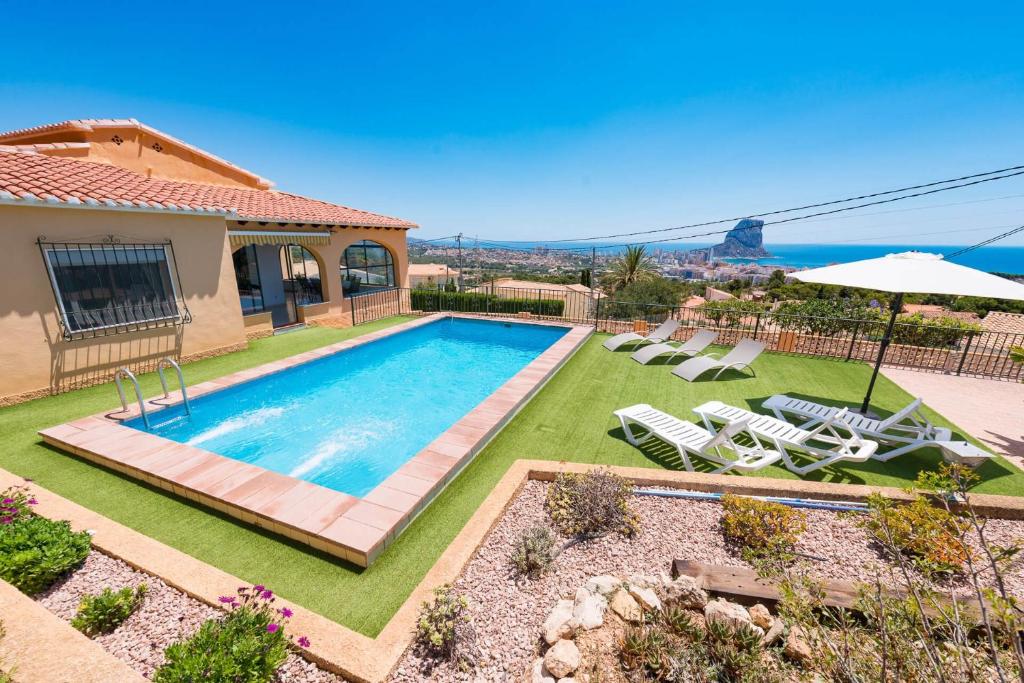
(993, 259)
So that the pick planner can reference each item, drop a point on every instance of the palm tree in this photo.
(632, 266)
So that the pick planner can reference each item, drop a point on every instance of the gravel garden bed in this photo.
(166, 615)
(507, 612)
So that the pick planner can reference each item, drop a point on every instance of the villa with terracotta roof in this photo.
(124, 245)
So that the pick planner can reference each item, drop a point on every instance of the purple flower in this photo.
(259, 588)
(272, 628)
(267, 594)
(303, 641)
(6, 520)
(226, 599)
(32, 501)
(8, 501)
(286, 613)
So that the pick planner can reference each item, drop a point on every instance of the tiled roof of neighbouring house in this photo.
(998, 321)
(27, 177)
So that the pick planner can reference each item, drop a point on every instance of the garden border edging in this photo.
(361, 658)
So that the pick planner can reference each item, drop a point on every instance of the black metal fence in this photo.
(924, 347)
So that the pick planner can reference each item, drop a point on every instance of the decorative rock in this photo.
(774, 633)
(626, 607)
(645, 581)
(646, 596)
(557, 625)
(797, 647)
(538, 674)
(589, 609)
(603, 585)
(562, 659)
(686, 592)
(730, 613)
(760, 615)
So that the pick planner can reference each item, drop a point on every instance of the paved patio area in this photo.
(991, 410)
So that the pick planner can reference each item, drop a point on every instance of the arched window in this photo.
(301, 274)
(366, 265)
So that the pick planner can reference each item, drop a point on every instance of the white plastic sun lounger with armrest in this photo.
(739, 357)
(661, 334)
(904, 431)
(691, 347)
(825, 444)
(689, 438)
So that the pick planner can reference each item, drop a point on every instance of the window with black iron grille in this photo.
(112, 287)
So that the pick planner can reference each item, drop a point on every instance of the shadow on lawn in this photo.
(241, 527)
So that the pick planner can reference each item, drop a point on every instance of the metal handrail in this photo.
(164, 362)
(125, 372)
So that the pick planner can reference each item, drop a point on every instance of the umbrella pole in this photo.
(897, 306)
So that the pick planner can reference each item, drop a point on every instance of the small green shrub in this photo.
(246, 646)
(646, 650)
(931, 536)
(35, 551)
(104, 612)
(444, 627)
(761, 528)
(592, 504)
(534, 552)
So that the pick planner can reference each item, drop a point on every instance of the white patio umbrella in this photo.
(912, 272)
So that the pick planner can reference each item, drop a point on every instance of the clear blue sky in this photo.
(532, 120)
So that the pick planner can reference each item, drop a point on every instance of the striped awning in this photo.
(240, 238)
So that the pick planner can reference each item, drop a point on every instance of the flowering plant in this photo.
(246, 646)
(14, 503)
(35, 551)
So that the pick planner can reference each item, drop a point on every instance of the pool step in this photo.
(289, 328)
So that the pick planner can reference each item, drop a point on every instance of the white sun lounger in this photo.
(691, 347)
(661, 334)
(738, 358)
(787, 438)
(689, 438)
(905, 431)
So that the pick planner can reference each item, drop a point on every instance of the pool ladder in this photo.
(124, 372)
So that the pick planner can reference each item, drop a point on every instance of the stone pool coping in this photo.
(361, 658)
(354, 529)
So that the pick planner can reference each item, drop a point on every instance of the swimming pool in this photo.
(349, 420)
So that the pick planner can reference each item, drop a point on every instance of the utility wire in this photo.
(977, 178)
(979, 245)
(783, 220)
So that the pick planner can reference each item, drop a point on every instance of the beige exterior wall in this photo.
(33, 355)
(136, 152)
(329, 259)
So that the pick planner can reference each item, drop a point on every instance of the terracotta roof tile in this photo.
(999, 321)
(31, 177)
(86, 125)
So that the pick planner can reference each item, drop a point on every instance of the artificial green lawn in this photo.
(570, 419)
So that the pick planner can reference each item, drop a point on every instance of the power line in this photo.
(990, 240)
(975, 178)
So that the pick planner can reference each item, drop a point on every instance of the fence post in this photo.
(963, 356)
(757, 325)
(352, 305)
(853, 340)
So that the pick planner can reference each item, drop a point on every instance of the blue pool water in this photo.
(348, 420)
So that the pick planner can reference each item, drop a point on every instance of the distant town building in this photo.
(431, 275)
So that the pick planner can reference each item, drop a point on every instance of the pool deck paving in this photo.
(354, 529)
(991, 410)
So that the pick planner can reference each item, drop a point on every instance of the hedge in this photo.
(429, 300)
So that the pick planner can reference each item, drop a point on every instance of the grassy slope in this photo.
(575, 408)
